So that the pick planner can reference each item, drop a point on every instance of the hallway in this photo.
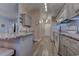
(44, 47)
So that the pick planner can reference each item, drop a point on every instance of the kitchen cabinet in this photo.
(62, 50)
(8, 11)
(68, 11)
(62, 47)
(72, 9)
(25, 20)
(62, 15)
(22, 44)
(68, 46)
(56, 42)
(69, 52)
(76, 8)
(26, 46)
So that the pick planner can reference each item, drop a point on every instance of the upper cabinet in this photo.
(8, 11)
(72, 9)
(27, 20)
(68, 11)
(76, 8)
(24, 16)
(62, 15)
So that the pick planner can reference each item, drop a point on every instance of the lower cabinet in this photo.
(62, 48)
(22, 45)
(70, 52)
(26, 46)
(68, 46)
(56, 42)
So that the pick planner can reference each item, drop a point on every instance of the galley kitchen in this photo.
(39, 29)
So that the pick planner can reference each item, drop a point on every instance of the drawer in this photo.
(71, 43)
(62, 50)
(72, 52)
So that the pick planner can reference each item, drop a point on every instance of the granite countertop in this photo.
(13, 35)
(72, 35)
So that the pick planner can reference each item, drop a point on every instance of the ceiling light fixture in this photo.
(46, 21)
(45, 5)
(40, 22)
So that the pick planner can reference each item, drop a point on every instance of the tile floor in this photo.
(44, 47)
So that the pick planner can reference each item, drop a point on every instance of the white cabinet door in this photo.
(70, 52)
(27, 20)
(56, 42)
(62, 15)
(76, 8)
(69, 45)
(62, 47)
(62, 50)
(26, 46)
(70, 10)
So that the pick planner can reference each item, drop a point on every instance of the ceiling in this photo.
(52, 8)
